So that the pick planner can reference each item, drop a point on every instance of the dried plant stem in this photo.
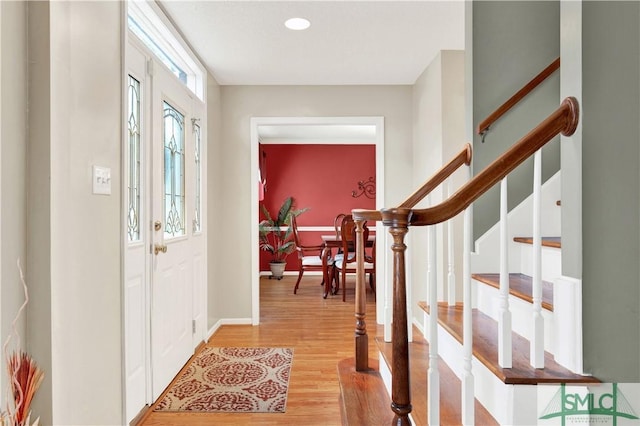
(25, 375)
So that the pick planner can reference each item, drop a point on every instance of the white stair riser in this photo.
(487, 300)
(385, 372)
(551, 261)
(485, 254)
(497, 397)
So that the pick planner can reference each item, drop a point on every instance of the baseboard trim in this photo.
(142, 415)
(291, 273)
(227, 321)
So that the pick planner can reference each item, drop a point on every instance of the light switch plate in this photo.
(101, 180)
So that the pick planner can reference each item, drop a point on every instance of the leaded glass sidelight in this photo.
(173, 136)
(133, 193)
(197, 224)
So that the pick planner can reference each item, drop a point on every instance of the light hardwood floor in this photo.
(321, 333)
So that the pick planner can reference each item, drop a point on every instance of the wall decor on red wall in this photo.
(366, 188)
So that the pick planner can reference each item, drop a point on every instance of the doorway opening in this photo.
(316, 130)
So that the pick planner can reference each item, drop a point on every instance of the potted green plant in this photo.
(276, 240)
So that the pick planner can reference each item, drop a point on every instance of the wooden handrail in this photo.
(360, 216)
(463, 157)
(365, 215)
(563, 120)
(517, 97)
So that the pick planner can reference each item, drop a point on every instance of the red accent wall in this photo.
(320, 177)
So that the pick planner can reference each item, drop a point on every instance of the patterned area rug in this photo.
(250, 380)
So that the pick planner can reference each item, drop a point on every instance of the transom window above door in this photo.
(147, 24)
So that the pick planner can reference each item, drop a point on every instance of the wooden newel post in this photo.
(362, 339)
(397, 220)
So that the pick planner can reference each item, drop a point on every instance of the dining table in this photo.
(331, 241)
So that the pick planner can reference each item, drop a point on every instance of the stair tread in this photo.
(364, 398)
(555, 242)
(520, 286)
(450, 386)
(485, 349)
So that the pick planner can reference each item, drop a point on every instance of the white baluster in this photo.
(537, 341)
(504, 315)
(433, 376)
(430, 280)
(451, 276)
(468, 397)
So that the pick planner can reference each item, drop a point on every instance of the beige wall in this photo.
(438, 134)
(214, 196)
(39, 204)
(13, 151)
(75, 124)
(453, 140)
(240, 103)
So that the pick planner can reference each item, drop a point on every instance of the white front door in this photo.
(172, 261)
(164, 224)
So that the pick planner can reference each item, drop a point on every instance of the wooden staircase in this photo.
(485, 332)
(485, 393)
(520, 286)
(546, 241)
(485, 337)
(365, 399)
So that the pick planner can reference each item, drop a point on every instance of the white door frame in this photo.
(256, 122)
(135, 269)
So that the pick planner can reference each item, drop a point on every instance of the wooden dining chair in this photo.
(309, 257)
(337, 222)
(347, 264)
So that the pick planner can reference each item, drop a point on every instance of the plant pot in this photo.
(277, 270)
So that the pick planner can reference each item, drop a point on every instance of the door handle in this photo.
(159, 248)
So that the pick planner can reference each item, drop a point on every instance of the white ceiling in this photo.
(349, 42)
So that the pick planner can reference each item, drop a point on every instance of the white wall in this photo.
(438, 134)
(75, 124)
(240, 103)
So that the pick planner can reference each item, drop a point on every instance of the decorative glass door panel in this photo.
(174, 200)
(197, 223)
(133, 122)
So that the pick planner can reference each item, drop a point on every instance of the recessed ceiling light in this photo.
(297, 24)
